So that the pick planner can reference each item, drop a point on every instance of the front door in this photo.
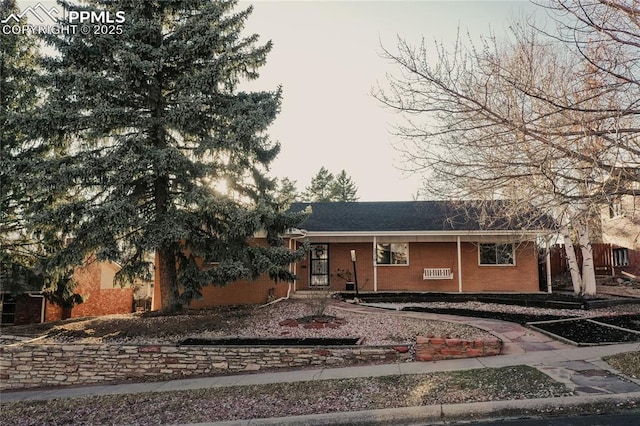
(319, 270)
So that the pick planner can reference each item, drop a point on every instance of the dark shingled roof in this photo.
(408, 216)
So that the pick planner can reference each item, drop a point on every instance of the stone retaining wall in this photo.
(25, 365)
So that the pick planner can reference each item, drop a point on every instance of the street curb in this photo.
(434, 414)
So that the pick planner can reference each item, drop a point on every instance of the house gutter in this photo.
(42, 304)
(521, 233)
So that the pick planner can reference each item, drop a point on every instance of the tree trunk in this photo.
(166, 259)
(588, 269)
(167, 280)
(572, 262)
(166, 267)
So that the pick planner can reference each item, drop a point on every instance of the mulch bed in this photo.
(304, 341)
(313, 322)
(631, 322)
(587, 332)
(503, 316)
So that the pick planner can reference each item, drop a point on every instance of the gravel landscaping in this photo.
(288, 399)
(245, 321)
(594, 326)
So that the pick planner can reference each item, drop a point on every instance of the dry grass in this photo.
(627, 363)
(288, 399)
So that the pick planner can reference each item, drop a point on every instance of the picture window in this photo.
(497, 254)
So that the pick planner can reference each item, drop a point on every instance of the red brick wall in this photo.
(439, 348)
(52, 312)
(97, 301)
(241, 292)
(340, 258)
(421, 255)
(523, 277)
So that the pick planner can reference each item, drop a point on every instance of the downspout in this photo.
(375, 264)
(42, 305)
(292, 240)
(279, 299)
(295, 269)
(459, 264)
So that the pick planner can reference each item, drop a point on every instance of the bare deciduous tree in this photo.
(526, 121)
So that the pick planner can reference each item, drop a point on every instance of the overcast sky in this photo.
(326, 56)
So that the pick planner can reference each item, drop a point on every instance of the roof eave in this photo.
(530, 232)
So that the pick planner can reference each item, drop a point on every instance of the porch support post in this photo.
(459, 264)
(548, 263)
(293, 245)
(375, 264)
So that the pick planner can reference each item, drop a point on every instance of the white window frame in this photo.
(390, 257)
(513, 255)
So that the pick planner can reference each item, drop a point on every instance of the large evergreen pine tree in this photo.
(18, 97)
(145, 123)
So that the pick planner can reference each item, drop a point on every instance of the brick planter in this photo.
(438, 348)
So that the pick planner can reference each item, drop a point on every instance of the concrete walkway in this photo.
(580, 368)
(516, 338)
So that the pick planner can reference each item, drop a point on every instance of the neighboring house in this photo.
(620, 227)
(95, 285)
(425, 246)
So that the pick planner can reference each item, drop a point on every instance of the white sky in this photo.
(326, 57)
